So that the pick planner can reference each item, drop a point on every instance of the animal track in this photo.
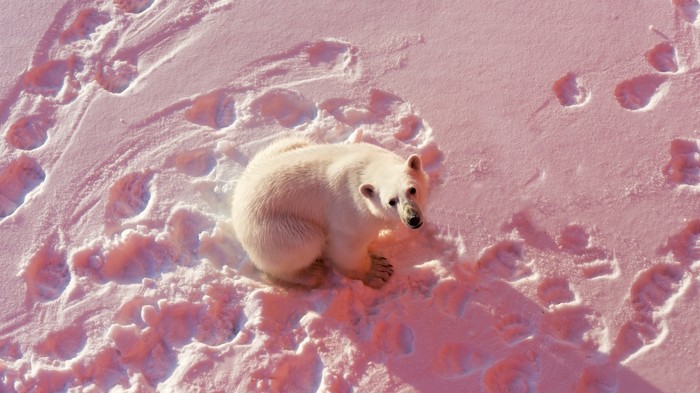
(175, 323)
(260, 304)
(219, 247)
(687, 9)
(640, 92)
(432, 157)
(198, 162)
(574, 239)
(514, 328)
(223, 316)
(452, 296)
(287, 107)
(388, 109)
(330, 53)
(649, 295)
(633, 336)
(47, 275)
(215, 110)
(410, 127)
(136, 257)
(554, 291)
(685, 245)
(594, 262)
(517, 373)
(184, 228)
(103, 368)
(684, 166)
(63, 344)
(295, 372)
(505, 261)
(16, 181)
(663, 58)
(599, 268)
(46, 79)
(307, 61)
(29, 132)
(133, 6)
(131, 311)
(117, 77)
(129, 196)
(458, 359)
(143, 351)
(393, 337)
(85, 24)
(577, 325)
(381, 105)
(569, 91)
(654, 287)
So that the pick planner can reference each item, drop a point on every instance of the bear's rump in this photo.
(283, 245)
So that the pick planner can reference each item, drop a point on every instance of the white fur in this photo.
(301, 207)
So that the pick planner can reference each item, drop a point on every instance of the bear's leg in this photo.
(355, 262)
(351, 260)
(290, 253)
(311, 277)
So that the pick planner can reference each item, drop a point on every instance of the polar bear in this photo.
(300, 208)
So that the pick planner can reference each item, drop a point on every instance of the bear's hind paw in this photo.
(314, 275)
(379, 273)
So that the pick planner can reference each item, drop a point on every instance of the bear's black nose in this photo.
(414, 222)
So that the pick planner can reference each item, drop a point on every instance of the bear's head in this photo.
(398, 191)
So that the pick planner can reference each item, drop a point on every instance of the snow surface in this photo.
(562, 248)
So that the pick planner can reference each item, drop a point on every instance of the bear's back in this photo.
(304, 181)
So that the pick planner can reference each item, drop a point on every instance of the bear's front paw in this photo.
(379, 273)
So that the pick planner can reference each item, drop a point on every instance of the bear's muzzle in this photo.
(411, 215)
(415, 222)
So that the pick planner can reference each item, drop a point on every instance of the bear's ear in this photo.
(414, 162)
(367, 190)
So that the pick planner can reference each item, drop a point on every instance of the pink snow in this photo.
(561, 251)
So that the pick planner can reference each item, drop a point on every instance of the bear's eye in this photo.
(393, 202)
(412, 191)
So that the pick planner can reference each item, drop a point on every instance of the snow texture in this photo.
(561, 249)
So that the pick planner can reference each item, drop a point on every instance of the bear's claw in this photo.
(379, 273)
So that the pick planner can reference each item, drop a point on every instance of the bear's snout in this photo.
(411, 215)
(414, 222)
